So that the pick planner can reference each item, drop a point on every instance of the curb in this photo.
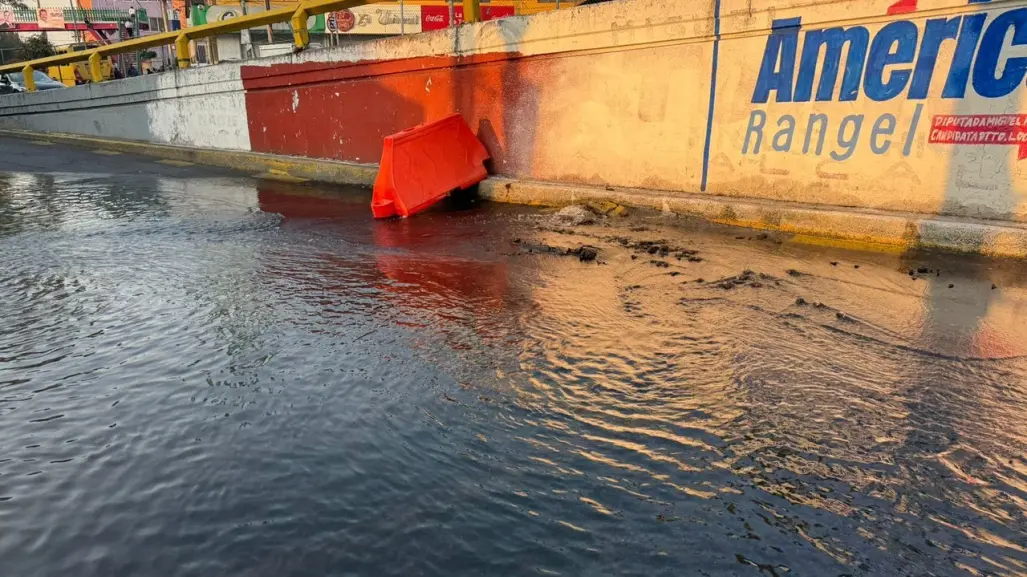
(853, 228)
(850, 228)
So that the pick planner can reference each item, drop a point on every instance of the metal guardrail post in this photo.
(95, 70)
(300, 36)
(182, 50)
(472, 11)
(30, 81)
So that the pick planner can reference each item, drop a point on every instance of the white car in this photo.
(6, 87)
(43, 82)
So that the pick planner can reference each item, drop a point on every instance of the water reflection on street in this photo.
(227, 377)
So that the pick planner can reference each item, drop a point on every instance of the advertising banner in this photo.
(878, 100)
(379, 19)
(50, 18)
(437, 17)
(6, 18)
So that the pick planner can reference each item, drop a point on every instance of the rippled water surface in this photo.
(218, 377)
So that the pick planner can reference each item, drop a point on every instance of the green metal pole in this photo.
(74, 21)
(270, 33)
(138, 33)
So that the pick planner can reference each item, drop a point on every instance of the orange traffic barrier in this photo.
(421, 165)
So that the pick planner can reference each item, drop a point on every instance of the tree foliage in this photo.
(9, 41)
(36, 47)
(10, 47)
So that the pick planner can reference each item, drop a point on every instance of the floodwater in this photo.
(223, 377)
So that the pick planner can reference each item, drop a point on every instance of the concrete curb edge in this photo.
(849, 228)
(858, 229)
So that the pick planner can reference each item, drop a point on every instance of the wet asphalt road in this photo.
(206, 374)
(42, 156)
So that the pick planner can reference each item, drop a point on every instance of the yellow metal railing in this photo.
(180, 38)
(472, 11)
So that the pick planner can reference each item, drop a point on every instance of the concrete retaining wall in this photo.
(881, 104)
(203, 107)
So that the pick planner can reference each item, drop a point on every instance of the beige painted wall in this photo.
(978, 180)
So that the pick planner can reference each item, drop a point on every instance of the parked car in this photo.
(7, 88)
(43, 82)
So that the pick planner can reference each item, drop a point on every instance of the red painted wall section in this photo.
(344, 110)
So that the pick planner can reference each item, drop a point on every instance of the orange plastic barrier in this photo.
(421, 165)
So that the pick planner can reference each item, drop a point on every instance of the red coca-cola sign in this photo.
(345, 20)
(437, 17)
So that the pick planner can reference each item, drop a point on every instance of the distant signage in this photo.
(50, 18)
(341, 21)
(437, 17)
(6, 18)
(379, 19)
(345, 20)
(222, 12)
